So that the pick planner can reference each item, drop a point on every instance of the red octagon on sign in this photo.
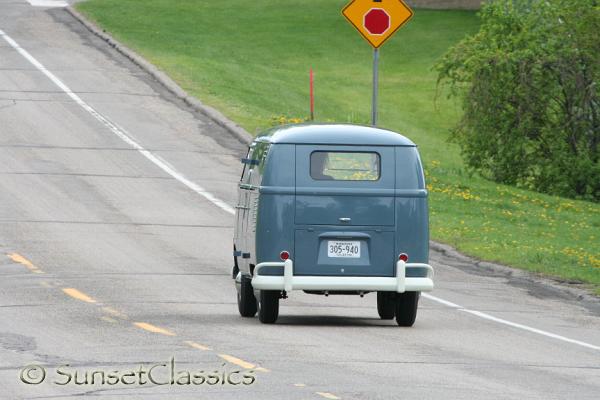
(377, 21)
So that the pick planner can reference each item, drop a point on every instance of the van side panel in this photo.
(239, 237)
(275, 220)
(412, 220)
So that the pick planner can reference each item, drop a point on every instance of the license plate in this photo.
(343, 248)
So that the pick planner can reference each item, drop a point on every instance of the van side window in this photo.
(262, 150)
(247, 167)
(344, 166)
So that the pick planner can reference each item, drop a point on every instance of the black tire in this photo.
(406, 308)
(268, 306)
(245, 298)
(386, 305)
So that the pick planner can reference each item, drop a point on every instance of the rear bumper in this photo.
(288, 281)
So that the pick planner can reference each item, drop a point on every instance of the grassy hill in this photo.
(251, 59)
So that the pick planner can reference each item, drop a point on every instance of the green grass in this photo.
(250, 59)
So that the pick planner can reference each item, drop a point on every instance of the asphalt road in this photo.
(112, 257)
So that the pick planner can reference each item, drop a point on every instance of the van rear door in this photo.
(345, 210)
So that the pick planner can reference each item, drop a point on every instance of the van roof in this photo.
(342, 134)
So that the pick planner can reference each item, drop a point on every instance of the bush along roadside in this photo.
(530, 85)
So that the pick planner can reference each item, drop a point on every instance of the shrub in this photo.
(529, 83)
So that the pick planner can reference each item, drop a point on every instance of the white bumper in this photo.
(288, 282)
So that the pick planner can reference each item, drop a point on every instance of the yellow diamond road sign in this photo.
(377, 20)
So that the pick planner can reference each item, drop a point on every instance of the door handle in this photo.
(345, 219)
(239, 207)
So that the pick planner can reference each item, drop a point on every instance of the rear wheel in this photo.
(268, 306)
(406, 308)
(386, 304)
(245, 298)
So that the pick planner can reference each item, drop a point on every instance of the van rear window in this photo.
(344, 166)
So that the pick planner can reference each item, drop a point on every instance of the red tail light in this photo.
(403, 257)
(284, 255)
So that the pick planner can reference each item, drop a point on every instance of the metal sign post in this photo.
(375, 86)
(377, 21)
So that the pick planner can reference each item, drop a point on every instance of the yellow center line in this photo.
(328, 395)
(237, 361)
(153, 328)
(76, 294)
(242, 363)
(23, 261)
(197, 345)
(299, 384)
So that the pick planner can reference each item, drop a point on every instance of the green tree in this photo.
(529, 82)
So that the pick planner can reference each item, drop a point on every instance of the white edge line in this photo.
(48, 3)
(512, 324)
(442, 301)
(120, 132)
(530, 329)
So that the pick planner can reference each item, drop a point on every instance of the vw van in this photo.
(331, 209)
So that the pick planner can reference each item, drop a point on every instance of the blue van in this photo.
(332, 209)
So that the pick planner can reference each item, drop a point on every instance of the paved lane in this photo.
(108, 262)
